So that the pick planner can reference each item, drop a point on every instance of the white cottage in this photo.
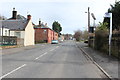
(23, 29)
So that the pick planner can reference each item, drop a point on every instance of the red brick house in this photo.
(44, 34)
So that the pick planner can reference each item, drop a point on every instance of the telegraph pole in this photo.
(88, 19)
(88, 25)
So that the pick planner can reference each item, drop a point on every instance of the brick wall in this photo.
(40, 34)
(47, 34)
(50, 35)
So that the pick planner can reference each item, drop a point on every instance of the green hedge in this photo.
(102, 40)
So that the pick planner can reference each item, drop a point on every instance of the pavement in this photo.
(109, 63)
(64, 60)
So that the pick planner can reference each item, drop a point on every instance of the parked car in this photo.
(54, 42)
(60, 41)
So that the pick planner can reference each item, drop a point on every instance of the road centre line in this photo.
(57, 47)
(52, 49)
(41, 55)
(13, 71)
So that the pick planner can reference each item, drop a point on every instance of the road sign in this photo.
(109, 15)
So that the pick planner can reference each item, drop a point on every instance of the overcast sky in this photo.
(69, 13)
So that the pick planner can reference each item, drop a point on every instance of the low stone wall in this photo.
(8, 40)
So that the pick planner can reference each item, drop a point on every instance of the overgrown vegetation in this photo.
(77, 35)
(102, 40)
(81, 35)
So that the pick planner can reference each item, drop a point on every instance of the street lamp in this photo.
(93, 16)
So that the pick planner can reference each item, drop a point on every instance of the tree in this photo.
(115, 10)
(56, 27)
(78, 35)
(85, 35)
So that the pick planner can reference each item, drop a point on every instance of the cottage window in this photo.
(5, 32)
(17, 34)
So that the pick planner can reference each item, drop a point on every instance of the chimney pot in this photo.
(45, 24)
(28, 17)
(39, 21)
(13, 9)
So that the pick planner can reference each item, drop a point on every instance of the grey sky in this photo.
(69, 13)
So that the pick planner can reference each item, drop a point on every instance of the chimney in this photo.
(45, 24)
(39, 21)
(14, 14)
(28, 17)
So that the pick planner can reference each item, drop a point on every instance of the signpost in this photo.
(109, 15)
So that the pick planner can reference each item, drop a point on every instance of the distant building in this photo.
(22, 28)
(68, 36)
(44, 34)
(61, 38)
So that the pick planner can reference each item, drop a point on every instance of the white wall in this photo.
(5, 32)
(22, 34)
(29, 34)
(13, 33)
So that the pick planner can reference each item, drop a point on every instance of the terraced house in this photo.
(44, 34)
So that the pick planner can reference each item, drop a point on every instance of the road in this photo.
(64, 60)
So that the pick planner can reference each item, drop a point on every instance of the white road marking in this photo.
(45, 53)
(41, 56)
(57, 47)
(52, 49)
(13, 71)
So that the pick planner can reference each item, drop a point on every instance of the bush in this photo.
(101, 40)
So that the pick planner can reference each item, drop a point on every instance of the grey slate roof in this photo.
(14, 24)
(19, 17)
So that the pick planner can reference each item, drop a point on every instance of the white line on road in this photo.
(52, 49)
(13, 71)
(57, 47)
(41, 56)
